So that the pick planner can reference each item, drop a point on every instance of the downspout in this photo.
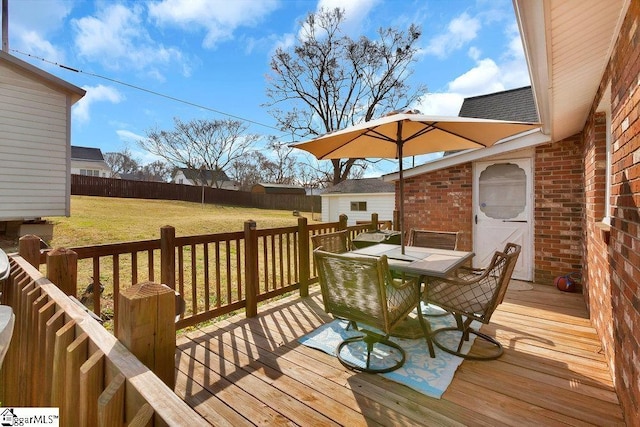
(5, 26)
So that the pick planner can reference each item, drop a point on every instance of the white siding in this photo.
(77, 165)
(34, 135)
(333, 205)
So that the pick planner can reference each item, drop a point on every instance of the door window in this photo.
(502, 191)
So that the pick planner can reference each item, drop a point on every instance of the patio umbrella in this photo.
(410, 134)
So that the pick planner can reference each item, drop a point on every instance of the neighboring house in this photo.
(569, 193)
(268, 188)
(35, 148)
(215, 179)
(89, 161)
(358, 199)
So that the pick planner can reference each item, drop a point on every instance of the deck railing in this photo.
(60, 356)
(215, 274)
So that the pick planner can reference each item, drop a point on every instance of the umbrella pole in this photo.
(401, 210)
(399, 143)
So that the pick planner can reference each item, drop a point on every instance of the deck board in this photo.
(242, 371)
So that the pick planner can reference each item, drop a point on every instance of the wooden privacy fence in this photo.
(60, 356)
(82, 185)
(215, 274)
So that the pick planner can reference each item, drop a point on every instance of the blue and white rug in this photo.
(430, 376)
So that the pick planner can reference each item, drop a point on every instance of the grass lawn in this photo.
(98, 220)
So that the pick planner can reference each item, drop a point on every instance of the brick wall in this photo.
(440, 200)
(596, 269)
(558, 209)
(614, 268)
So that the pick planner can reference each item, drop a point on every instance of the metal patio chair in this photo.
(336, 242)
(361, 290)
(473, 294)
(434, 239)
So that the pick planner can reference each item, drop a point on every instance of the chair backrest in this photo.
(434, 239)
(499, 275)
(476, 296)
(336, 242)
(359, 289)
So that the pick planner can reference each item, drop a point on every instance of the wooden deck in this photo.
(253, 372)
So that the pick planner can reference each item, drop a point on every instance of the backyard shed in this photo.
(35, 141)
(358, 199)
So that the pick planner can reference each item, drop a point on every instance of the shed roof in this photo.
(364, 185)
(86, 153)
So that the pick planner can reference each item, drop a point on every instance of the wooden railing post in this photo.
(146, 326)
(62, 270)
(303, 255)
(29, 249)
(374, 222)
(251, 267)
(396, 220)
(168, 256)
(342, 222)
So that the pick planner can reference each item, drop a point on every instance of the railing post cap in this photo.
(145, 289)
(61, 251)
(29, 237)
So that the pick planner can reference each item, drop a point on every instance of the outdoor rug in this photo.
(430, 376)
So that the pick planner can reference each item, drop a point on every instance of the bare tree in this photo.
(157, 170)
(329, 81)
(276, 163)
(202, 145)
(121, 162)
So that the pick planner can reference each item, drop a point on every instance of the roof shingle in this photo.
(514, 104)
(365, 185)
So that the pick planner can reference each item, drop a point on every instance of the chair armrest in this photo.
(400, 283)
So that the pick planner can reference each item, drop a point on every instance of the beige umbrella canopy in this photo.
(407, 134)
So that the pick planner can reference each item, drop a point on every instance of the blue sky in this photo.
(216, 54)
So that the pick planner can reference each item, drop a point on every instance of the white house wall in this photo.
(77, 165)
(333, 205)
(34, 128)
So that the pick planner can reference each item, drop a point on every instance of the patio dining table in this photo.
(417, 260)
(421, 262)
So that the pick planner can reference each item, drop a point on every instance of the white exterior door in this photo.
(503, 212)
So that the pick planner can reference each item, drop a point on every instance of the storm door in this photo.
(503, 212)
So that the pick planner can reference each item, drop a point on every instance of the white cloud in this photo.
(460, 31)
(30, 28)
(485, 76)
(219, 19)
(285, 42)
(128, 137)
(514, 70)
(38, 46)
(440, 104)
(355, 13)
(116, 38)
(94, 94)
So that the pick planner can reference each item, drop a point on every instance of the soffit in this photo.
(568, 45)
